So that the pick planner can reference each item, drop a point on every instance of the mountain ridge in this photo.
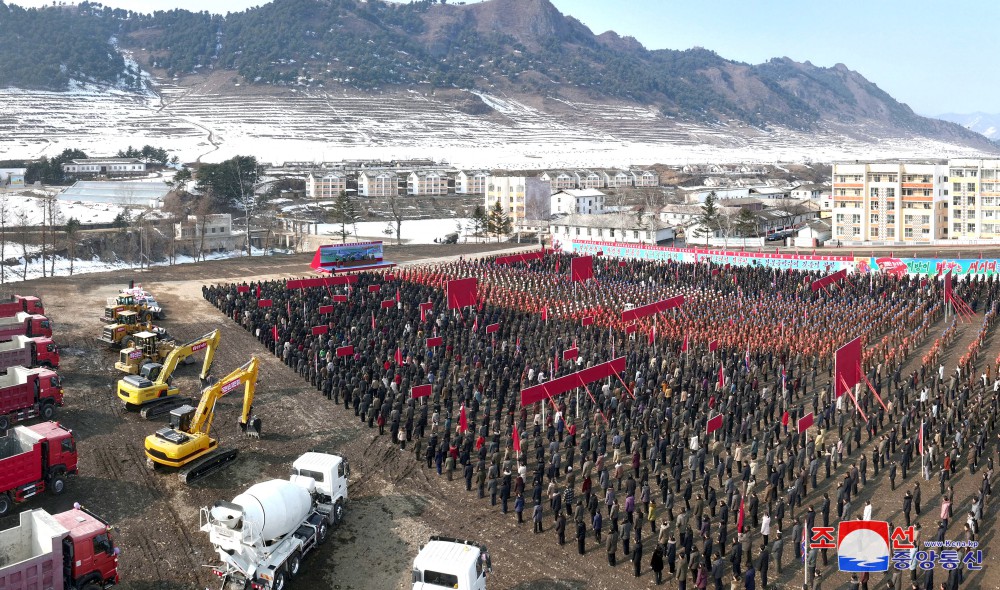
(519, 48)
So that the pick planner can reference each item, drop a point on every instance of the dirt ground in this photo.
(395, 503)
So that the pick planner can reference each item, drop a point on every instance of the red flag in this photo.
(397, 294)
(422, 390)
(517, 440)
(555, 362)
(557, 265)
(373, 320)
(587, 320)
(684, 346)
(475, 324)
(652, 335)
(374, 288)
(713, 346)
(243, 289)
(324, 309)
(545, 312)
(805, 422)
(345, 350)
(399, 356)
(463, 422)
(570, 353)
(317, 330)
(714, 424)
(288, 308)
(492, 328)
(388, 303)
(739, 519)
(423, 314)
(722, 377)
(921, 438)
(264, 303)
(436, 341)
(340, 298)
(274, 332)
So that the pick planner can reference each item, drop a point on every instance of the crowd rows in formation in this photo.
(626, 463)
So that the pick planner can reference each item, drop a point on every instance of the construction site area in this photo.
(395, 503)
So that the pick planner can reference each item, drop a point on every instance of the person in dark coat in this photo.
(561, 528)
(656, 564)
(750, 578)
(636, 559)
(613, 547)
(581, 537)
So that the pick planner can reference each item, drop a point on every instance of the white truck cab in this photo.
(329, 479)
(451, 563)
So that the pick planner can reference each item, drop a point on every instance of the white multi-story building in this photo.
(509, 190)
(471, 182)
(582, 201)
(378, 184)
(974, 212)
(890, 201)
(426, 182)
(327, 186)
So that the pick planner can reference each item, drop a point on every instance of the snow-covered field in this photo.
(323, 126)
(413, 231)
(30, 204)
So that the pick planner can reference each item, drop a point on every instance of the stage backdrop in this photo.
(960, 267)
(347, 255)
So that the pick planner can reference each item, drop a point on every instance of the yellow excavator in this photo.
(151, 348)
(151, 391)
(186, 445)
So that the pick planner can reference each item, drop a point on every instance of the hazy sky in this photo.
(935, 57)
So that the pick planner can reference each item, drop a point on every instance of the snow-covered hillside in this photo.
(316, 126)
(985, 123)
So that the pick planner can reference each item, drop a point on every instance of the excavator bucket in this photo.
(252, 428)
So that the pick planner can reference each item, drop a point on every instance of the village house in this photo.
(582, 201)
(107, 167)
(208, 233)
(588, 179)
(611, 228)
(559, 180)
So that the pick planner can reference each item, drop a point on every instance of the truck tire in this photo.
(322, 531)
(4, 421)
(48, 411)
(338, 512)
(280, 580)
(294, 564)
(57, 484)
(5, 504)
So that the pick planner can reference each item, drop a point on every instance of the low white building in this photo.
(105, 167)
(611, 228)
(581, 201)
(814, 233)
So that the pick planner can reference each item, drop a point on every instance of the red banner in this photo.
(340, 298)
(462, 292)
(519, 258)
(571, 381)
(652, 308)
(317, 330)
(622, 264)
(345, 351)
(422, 391)
(570, 354)
(326, 309)
(492, 328)
(242, 289)
(321, 282)
(390, 277)
(427, 305)
(805, 422)
(829, 280)
(714, 424)
(432, 342)
(587, 320)
(388, 303)
(847, 370)
(264, 303)
(581, 268)
(374, 288)
(713, 346)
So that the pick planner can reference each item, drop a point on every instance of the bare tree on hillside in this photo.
(396, 210)
(250, 199)
(72, 230)
(23, 225)
(54, 217)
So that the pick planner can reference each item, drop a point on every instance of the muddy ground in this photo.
(395, 503)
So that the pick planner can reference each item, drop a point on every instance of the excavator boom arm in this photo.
(245, 375)
(209, 342)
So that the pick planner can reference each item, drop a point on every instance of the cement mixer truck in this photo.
(265, 532)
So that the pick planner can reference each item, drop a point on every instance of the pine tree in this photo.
(479, 221)
(344, 213)
(498, 223)
(709, 219)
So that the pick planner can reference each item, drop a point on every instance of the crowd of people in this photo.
(627, 462)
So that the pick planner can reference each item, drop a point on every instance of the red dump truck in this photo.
(33, 459)
(25, 324)
(21, 303)
(28, 393)
(72, 550)
(28, 352)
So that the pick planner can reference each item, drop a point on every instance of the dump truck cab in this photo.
(451, 563)
(46, 353)
(89, 549)
(29, 304)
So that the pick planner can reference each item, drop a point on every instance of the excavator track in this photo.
(160, 407)
(207, 465)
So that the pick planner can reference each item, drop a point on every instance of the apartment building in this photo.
(326, 186)
(378, 184)
(974, 212)
(427, 182)
(890, 201)
(509, 190)
(471, 182)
